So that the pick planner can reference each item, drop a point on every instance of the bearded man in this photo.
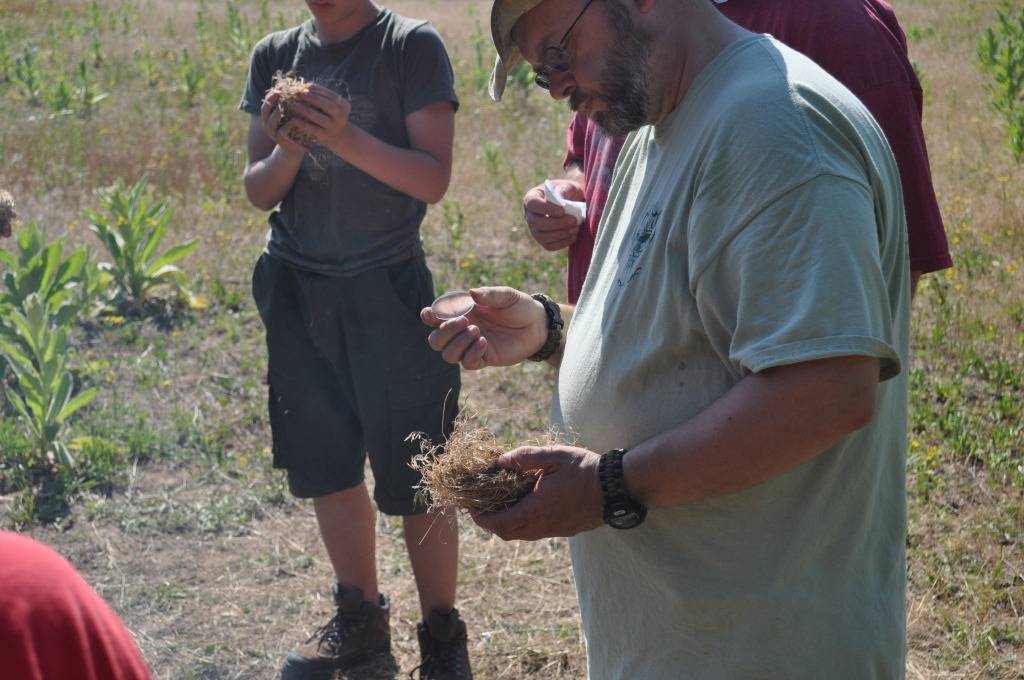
(734, 372)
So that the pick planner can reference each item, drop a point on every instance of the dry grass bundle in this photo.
(290, 88)
(7, 213)
(463, 474)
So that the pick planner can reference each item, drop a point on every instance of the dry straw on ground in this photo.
(290, 88)
(7, 213)
(463, 474)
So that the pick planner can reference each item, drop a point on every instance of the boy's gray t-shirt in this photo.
(760, 224)
(337, 219)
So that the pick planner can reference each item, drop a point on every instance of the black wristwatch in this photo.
(555, 325)
(620, 511)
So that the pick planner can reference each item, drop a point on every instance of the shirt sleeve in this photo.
(427, 70)
(803, 280)
(259, 78)
(575, 142)
(897, 106)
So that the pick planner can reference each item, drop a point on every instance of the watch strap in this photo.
(620, 510)
(555, 325)
(609, 471)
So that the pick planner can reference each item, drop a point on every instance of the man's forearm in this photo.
(410, 171)
(269, 180)
(767, 424)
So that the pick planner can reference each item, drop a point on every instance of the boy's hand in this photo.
(549, 225)
(270, 114)
(505, 327)
(323, 113)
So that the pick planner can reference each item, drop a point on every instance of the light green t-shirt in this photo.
(760, 224)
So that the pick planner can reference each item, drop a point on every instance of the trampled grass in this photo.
(195, 541)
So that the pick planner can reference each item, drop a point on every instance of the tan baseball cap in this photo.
(504, 15)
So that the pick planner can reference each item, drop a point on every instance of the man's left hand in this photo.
(565, 501)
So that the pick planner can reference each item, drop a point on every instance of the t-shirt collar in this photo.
(309, 30)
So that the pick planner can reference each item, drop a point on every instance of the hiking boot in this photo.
(357, 632)
(443, 652)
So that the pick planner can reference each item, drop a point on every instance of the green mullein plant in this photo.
(6, 60)
(1001, 52)
(132, 228)
(86, 96)
(70, 286)
(190, 79)
(27, 75)
(43, 398)
(241, 33)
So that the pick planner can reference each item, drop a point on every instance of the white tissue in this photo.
(577, 209)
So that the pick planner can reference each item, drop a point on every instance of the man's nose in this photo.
(561, 84)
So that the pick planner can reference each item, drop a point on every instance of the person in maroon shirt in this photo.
(53, 626)
(860, 43)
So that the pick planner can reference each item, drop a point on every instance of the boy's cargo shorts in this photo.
(350, 373)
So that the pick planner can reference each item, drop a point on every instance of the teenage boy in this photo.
(338, 289)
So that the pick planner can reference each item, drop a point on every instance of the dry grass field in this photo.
(184, 528)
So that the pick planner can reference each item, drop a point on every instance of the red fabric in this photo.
(861, 44)
(596, 152)
(53, 626)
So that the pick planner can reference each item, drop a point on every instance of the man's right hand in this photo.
(549, 225)
(505, 327)
(270, 114)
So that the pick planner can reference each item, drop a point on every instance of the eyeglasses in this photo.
(556, 58)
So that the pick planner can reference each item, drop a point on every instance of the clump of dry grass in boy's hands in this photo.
(7, 213)
(463, 474)
(290, 89)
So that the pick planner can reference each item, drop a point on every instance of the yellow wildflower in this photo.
(198, 302)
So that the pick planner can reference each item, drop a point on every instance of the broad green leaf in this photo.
(72, 267)
(173, 255)
(22, 366)
(20, 407)
(61, 453)
(167, 273)
(155, 238)
(66, 314)
(51, 264)
(26, 333)
(78, 402)
(59, 398)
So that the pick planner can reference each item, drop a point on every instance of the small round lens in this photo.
(453, 305)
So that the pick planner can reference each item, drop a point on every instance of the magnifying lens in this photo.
(453, 305)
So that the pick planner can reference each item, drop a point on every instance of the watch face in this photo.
(622, 516)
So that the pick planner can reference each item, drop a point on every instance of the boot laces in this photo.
(334, 633)
(440, 657)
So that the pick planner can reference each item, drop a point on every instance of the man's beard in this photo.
(625, 83)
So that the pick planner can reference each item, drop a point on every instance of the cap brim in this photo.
(499, 78)
(504, 15)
